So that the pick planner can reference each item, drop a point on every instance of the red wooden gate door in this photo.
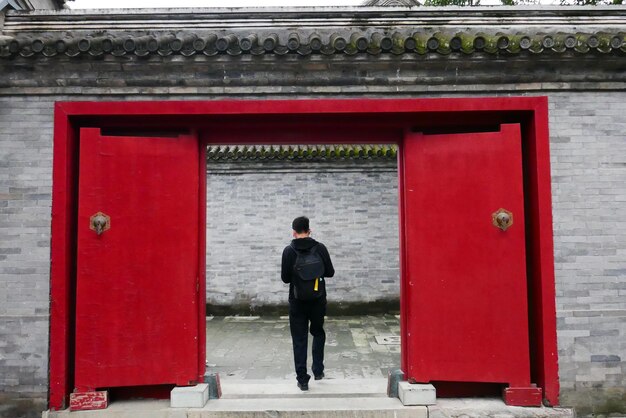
(467, 313)
(137, 263)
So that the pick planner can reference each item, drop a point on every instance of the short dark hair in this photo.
(300, 224)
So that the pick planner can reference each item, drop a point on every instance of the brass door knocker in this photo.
(502, 219)
(100, 222)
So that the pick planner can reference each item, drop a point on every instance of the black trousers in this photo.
(301, 313)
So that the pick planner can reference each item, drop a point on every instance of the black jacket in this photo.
(289, 260)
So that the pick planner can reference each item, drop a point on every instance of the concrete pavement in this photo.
(260, 347)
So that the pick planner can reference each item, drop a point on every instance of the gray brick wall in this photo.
(588, 144)
(25, 199)
(588, 153)
(353, 207)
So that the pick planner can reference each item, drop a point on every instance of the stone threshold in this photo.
(341, 398)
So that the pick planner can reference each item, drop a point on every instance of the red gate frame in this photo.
(303, 121)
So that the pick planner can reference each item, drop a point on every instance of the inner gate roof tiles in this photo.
(300, 152)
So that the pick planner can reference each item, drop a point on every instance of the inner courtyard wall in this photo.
(353, 207)
(588, 149)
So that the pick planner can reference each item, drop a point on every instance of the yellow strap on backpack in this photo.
(316, 283)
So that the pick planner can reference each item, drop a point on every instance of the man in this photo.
(307, 297)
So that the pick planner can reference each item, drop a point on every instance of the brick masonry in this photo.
(589, 193)
(25, 196)
(588, 153)
(353, 207)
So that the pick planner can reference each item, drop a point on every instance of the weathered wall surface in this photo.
(25, 199)
(588, 153)
(353, 207)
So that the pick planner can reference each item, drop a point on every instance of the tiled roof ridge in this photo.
(397, 42)
(300, 152)
(260, 16)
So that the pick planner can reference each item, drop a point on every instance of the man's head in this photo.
(300, 227)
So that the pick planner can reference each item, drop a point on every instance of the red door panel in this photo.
(466, 279)
(137, 282)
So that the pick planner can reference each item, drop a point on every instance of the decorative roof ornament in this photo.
(392, 3)
(32, 5)
(10, 3)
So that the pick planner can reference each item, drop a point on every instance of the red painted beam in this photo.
(541, 236)
(404, 347)
(202, 262)
(62, 258)
(329, 106)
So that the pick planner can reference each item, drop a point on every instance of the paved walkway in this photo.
(260, 347)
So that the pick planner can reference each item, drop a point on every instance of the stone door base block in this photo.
(189, 396)
(412, 394)
(215, 386)
(394, 377)
(82, 401)
(530, 396)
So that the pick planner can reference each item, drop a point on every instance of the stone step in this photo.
(325, 388)
(312, 407)
(326, 398)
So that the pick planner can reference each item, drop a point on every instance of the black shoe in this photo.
(303, 386)
(319, 376)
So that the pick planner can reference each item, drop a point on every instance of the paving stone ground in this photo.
(260, 347)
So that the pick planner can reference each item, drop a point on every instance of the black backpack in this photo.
(308, 283)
